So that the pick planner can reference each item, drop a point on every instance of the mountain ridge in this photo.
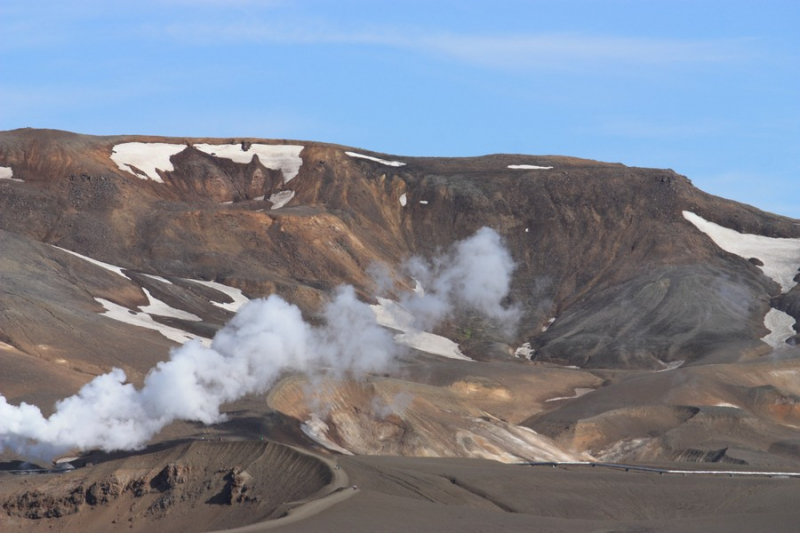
(608, 202)
(643, 320)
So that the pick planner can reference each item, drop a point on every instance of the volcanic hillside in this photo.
(652, 322)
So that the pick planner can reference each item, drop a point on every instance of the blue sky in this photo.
(710, 89)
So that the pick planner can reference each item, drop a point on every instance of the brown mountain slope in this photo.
(602, 247)
(648, 341)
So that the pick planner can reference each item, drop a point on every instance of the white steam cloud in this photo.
(267, 338)
(474, 275)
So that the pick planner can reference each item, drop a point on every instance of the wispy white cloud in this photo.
(545, 50)
(286, 22)
(309, 32)
(548, 50)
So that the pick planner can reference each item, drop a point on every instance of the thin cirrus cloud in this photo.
(562, 51)
(559, 49)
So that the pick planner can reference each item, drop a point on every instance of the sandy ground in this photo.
(466, 495)
(393, 494)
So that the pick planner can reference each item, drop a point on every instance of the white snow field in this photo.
(144, 316)
(147, 157)
(528, 167)
(283, 157)
(392, 315)
(780, 326)
(431, 343)
(236, 295)
(280, 199)
(377, 160)
(111, 268)
(150, 157)
(403, 199)
(144, 320)
(161, 308)
(7, 173)
(781, 257)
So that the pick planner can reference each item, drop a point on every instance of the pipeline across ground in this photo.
(657, 470)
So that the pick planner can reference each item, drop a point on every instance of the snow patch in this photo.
(110, 268)
(726, 404)
(280, 199)
(236, 295)
(144, 320)
(525, 351)
(161, 308)
(316, 429)
(670, 366)
(432, 344)
(392, 315)
(158, 278)
(376, 159)
(780, 326)
(403, 199)
(147, 157)
(549, 323)
(528, 167)
(424, 202)
(580, 391)
(781, 257)
(7, 173)
(283, 157)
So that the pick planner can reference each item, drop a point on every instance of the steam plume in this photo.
(474, 275)
(265, 339)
